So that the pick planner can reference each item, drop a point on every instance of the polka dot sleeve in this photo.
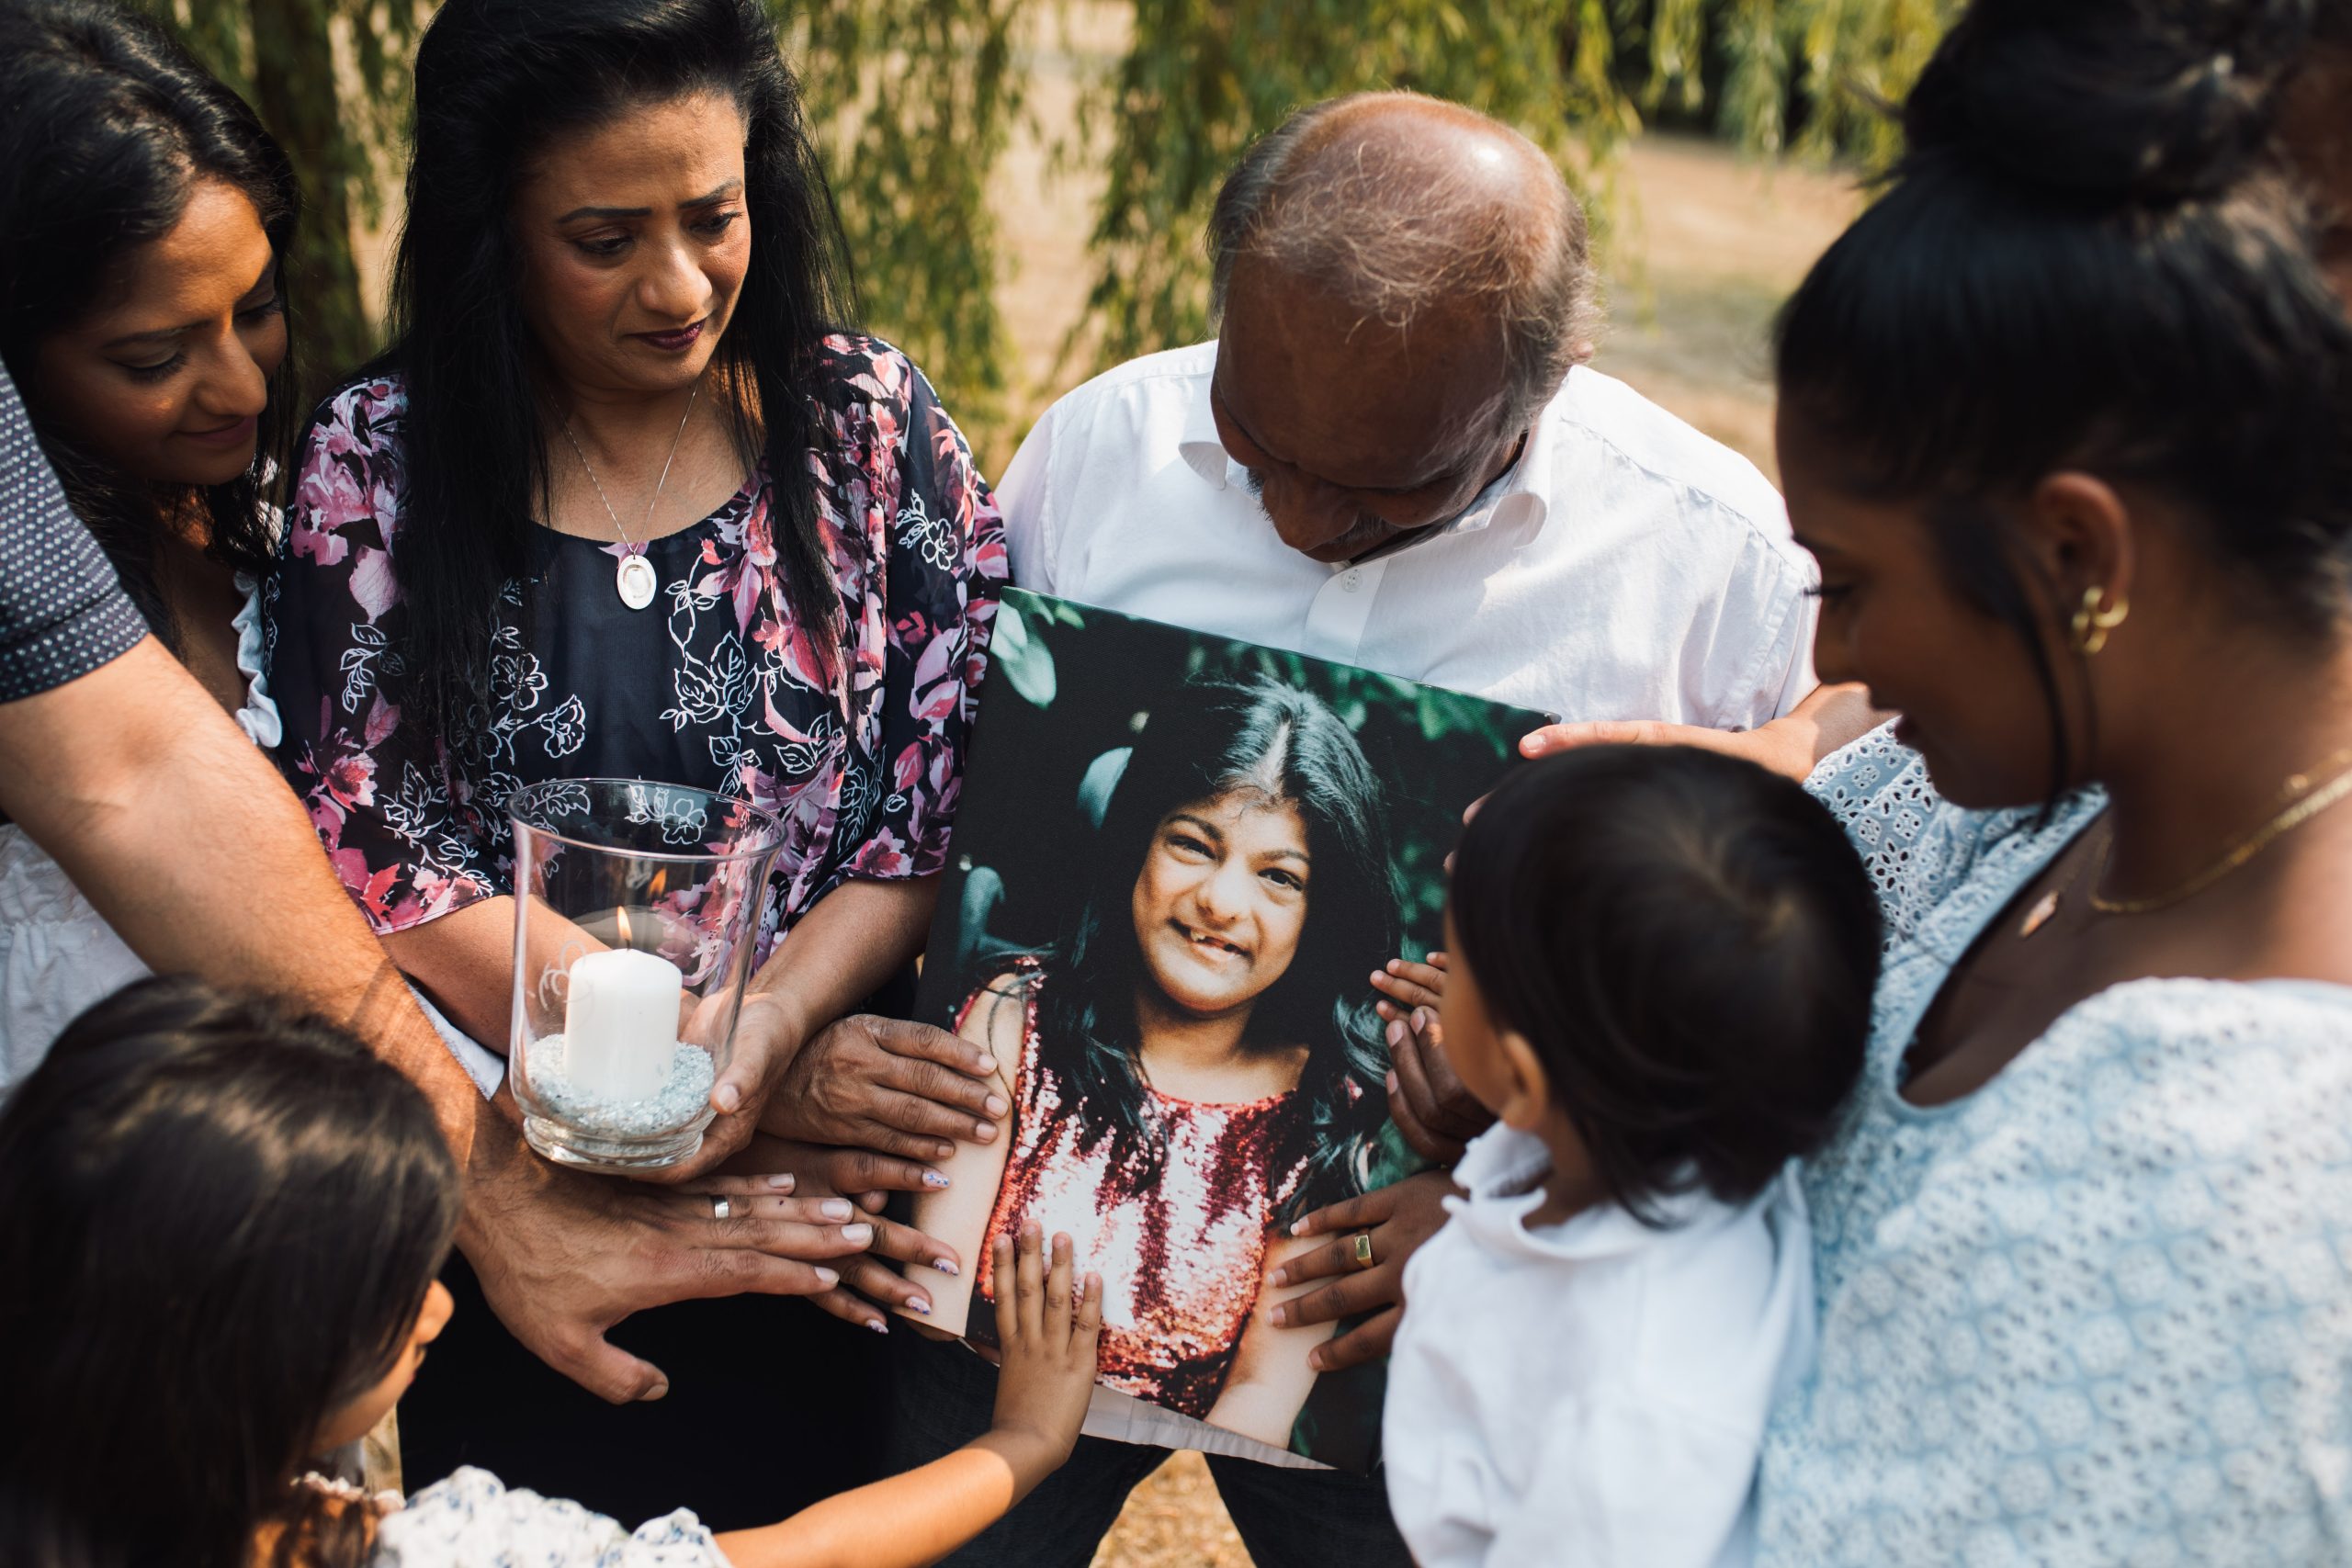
(63, 613)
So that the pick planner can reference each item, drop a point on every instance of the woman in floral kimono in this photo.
(624, 497)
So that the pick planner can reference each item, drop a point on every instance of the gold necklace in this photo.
(2301, 800)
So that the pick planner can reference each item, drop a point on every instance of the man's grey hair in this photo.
(1393, 235)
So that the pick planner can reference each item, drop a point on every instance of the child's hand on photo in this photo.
(1430, 1105)
(1047, 1334)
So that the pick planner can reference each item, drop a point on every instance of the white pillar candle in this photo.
(620, 1024)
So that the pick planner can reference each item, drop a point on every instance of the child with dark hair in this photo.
(219, 1228)
(1660, 963)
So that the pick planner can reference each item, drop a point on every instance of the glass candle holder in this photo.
(637, 905)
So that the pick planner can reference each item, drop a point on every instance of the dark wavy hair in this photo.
(2087, 260)
(497, 81)
(1200, 741)
(1690, 943)
(218, 1221)
(108, 127)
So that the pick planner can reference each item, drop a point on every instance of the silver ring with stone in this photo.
(721, 1209)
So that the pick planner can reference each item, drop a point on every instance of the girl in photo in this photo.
(219, 1228)
(1191, 1064)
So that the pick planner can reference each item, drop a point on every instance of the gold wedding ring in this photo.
(1363, 1249)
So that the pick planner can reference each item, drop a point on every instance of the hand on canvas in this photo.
(1398, 1218)
(1432, 1107)
(900, 1088)
(864, 1179)
(1791, 745)
(1047, 1326)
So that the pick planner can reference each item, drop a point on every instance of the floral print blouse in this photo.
(714, 685)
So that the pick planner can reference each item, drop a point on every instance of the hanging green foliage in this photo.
(915, 103)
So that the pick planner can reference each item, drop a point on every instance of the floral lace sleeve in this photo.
(376, 790)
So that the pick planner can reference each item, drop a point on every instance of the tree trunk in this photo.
(295, 89)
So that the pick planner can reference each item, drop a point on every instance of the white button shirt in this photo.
(1626, 567)
(1591, 1393)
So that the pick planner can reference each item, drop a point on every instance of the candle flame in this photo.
(622, 915)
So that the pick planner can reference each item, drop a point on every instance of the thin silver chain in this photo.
(627, 543)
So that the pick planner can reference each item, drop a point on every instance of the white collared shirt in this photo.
(1594, 1392)
(1625, 567)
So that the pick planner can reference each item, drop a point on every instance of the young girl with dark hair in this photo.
(144, 214)
(1660, 964)
(626, 498)
(218, 1230)
(1195, 1061)
(2064, 417)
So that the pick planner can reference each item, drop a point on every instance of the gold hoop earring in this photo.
(2092, 624)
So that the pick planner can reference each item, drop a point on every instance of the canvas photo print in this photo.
(1178, 860)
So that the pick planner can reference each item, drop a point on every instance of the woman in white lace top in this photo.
(219, 1232)
(2063, 417)
(141, 314)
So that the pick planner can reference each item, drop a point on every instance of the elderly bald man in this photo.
(1392, 456)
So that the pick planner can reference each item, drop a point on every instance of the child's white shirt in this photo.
(1592, 1393)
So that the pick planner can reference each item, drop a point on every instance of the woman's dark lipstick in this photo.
(676, 342)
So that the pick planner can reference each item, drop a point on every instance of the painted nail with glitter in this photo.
(918, 1304)
(936, 1179)
(946, 1265)
(876, 1325)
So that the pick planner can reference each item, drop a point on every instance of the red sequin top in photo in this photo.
(1181, 1256)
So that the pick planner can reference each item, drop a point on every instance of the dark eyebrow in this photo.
(161, 334)
(1211, 828)
(721, 194)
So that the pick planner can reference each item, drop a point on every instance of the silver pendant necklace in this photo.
(634, 578)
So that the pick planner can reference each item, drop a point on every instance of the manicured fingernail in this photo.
(876, 1325)
(729, 1098)
(1282, 1277)
(983, 1131)
(934, 1179)
(1282, 1317)
(1397, 1031)
(945, 1265)
(1298, 1227)
(656, 1392)
(834, 1208)
(995, 1105)
(828, 1279)
(781, 1181)
(918, 1304)
(858, 1235)
(984, 1064)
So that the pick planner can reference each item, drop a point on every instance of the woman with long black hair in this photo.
(1195, 1061)
(624, 497)
(144, 214)
(2065, 418)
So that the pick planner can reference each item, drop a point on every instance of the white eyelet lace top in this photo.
(474, 1520)
(57, 956)
(2100, 1311)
